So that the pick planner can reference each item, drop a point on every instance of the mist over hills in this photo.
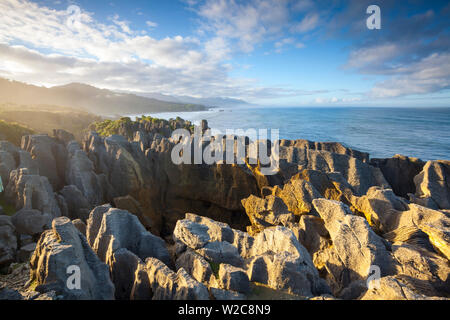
(88, 98)
(214, 101)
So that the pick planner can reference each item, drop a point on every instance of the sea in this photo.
(382, 132)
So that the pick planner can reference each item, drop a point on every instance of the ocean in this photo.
(382, 132)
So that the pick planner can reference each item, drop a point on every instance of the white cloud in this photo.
(431, 74)
(308, 23)
(151, 24)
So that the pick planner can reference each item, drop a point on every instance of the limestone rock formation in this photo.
(399, 172)
(8, 241)
(50, 156)
(355, 246)
(263, 213)
(433, 184)
(32, 192)
(63, 251)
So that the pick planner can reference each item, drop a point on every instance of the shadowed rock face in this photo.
(50, 156)
(61, 248)
(32, 192)
(8, 241)
(164, 190)
(400, 171)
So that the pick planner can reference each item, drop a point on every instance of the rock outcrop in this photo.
(63, 262)
(399, 172)
(29, 192)
(355, 246)
(433, 185)
(274, 257)
(8, 241)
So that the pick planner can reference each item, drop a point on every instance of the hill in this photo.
(42, 119)
(84, 97)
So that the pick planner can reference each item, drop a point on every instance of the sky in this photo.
(266, 52)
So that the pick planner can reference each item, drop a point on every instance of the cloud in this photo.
(308, 23)
(151, 24)
(411, 52)
(39, 46)
(429, 75)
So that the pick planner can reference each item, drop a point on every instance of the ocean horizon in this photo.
(380, 131)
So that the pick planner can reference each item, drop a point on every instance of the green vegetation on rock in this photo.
(13, 132)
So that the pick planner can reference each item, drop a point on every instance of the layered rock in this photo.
(355, 246)
(274, 257)
(8, 241)
(63, 251)
(399, 172)
(120, 240)
(267, 212)
(80, 172)
(158, 282)
(433, 185)
(29, 191)
(50, 156)
(360, 175)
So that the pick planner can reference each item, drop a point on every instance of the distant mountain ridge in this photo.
(213, 102)
(88, 98)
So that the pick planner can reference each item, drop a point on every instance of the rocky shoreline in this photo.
(136, 226)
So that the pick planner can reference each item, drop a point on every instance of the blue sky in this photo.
(267, 52)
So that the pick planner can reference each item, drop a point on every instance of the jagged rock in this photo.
(267, 212)
(424, 271)
(50, 156)
(115, 229)
(360, 175)
(399, 172)
(8, 241)
(392, 288)
(197, 267)
(334, 147)
(195, 232)
(433, 183)
(132, 205)
(298, 195)
(7, 164)
(167, 191)
(221, 252)
(30, 222)
(25, 252)
(123, 266)
(81, 226)
(380, 206)
(58, 249)
(95, 221)
(80, 172)
(220, 294)
(77, 205)
(63, 136)
(435, 223)
(282, 263)
(233, 278)
(32, 192)
(313, 235)
(168, 285)
(356, 247)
